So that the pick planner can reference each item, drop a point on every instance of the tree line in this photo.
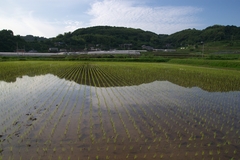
(107, 37)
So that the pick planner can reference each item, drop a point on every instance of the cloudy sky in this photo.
(49, 18)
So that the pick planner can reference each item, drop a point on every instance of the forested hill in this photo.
(210, 34)
(106, 37)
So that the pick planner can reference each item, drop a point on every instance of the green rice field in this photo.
(118, 110)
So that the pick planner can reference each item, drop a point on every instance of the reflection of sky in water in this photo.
(32, 90)
(170, 102)
(190, 96)
(25, 87)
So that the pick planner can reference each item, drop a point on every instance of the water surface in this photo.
(47, 117)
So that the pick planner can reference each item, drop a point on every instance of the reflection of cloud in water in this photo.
(164, 93)
(31, 89)
(50, 100)
(159, 93)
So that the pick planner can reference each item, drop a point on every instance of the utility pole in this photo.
(17, 48)
(202, 48)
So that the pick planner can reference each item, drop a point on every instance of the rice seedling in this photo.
(100, 113)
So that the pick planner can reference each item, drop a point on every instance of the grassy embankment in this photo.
(222, 61)
(228, 64)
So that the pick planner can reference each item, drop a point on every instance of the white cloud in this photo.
(71, 25)
(25, 17)
(52, 17)
(157, 19)
(24, 23)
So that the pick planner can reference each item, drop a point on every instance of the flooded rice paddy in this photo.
(88, 114)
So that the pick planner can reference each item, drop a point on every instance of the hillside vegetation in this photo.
(215, 38)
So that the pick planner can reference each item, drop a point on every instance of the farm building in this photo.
(117, 52)
(53, 49)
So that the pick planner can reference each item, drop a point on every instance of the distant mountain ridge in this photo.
(108, 37)
(209, 34)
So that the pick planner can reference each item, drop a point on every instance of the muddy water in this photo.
(44, 117)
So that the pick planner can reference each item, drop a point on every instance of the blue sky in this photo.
(49, 18)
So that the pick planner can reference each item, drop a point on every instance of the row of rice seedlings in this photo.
(75, 76)
(211, 120)
(146, 124)
(89, 77)
(106, 83)
(53, 103)
(114, 93)
(113, 78)
(95, 83)
(18, 101)
(147, 101)
(98, 75)
(8, 99)
(116, 108)
(81, 70)
(202, 133)
(147, 113)
(70, 113)
(188, 131)
(53, 98)
(83, 79)
(150, 113)
(109, 113)
(207, 119)
(169, 108)
(13, 107)
(53, 113)
(101, 96)
(131, 119)
(15, 121)
(192, 112)
(42, 67)
(23, 113)
(24, 134)
(163, 119)
(82, 105)
(46, 112)
(227, 137)
(37, 133)
(87, 99)
(195, 110)
(69, 93)
(63, 73)
(40, 135)
(230, 114)
(22, 120)
(78, 76)
(50, 118)
(134, 123)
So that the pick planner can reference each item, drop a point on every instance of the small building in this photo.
(164, 50)
(114, 52)
(33, 51)
(54, 50)
(62, 50)
(149, 48)
(20, 50)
